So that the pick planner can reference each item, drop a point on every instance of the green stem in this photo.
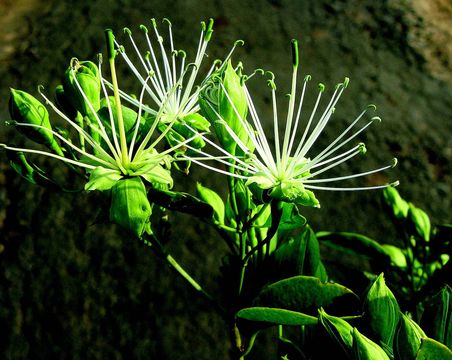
(114, 81)
(162, 253)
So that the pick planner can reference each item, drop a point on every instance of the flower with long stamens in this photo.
(289, 173)
(166, 68)
(123, 146)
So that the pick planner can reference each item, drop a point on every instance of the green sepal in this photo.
(408, 339)
(86, 73)
(213, 199)
(293, 191)
(382, 313)
(102, 179)
(130, 207)
(26, 109)
(366, 349)
(197, 122)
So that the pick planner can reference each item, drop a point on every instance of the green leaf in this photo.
(275, 316)
(408, 338)
(305, 294)
(197, 122)
(433, 350)
(130, 207)
(179, 201)
(102, 179)
(421, 222)
(157, 176)
(437, 316)
(299, 255)
(339, 329)
(213, 199)
(366, 349)
(357, 245)
(396, 254)
(381, 312)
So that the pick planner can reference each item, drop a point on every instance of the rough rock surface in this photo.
(71, 289)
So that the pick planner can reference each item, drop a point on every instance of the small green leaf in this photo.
(396, 254)
(366, 349)
(305, 294)
(339, 329)
(433, 350)
(395, 201)
(357, 245)
(408, 338)
(421, 222)
(102, 179)
(130, 207)
(213, 199)
(275, 316)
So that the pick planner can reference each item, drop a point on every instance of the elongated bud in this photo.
(437, 317)
(26, 109)
(130, 206)
(366, 349)
(338, 329)
(82, 86)
(223, 102)
(408, 339)
(382, 313)
(395, 201)
(421, 222)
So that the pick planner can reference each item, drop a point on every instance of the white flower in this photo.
(107, 149)
(172, 81)
(290, 172)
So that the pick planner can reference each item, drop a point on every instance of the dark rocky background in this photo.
(71, 289)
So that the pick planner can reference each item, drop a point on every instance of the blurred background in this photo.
(73, 289)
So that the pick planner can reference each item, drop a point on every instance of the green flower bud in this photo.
(408, 339)
(382, 313)
(366, 349)
(86, 74)
(26, 109)
(130, 207)
(437, 317)
(421, 222)
(395, 201)
(223, 101)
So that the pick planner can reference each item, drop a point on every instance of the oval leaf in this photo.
(276, 316)
(306, 294)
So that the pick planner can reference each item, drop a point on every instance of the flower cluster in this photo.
(120, 146)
